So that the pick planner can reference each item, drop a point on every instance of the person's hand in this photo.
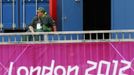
(32, 32)
(31, 29)
(54, 28)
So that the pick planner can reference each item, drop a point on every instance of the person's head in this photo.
(40, 12)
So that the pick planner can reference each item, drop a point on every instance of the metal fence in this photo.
(67, 37)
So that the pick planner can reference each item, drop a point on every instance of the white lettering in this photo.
(22, 68)
(75, 69)
(32, 70)
(123, 69)
(100, 67)
(115, 67)
(91, 68)
(59, 67)
(10, 68)
(48, 68)
(68, 70)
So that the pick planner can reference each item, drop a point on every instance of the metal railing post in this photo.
(13, 6)
(36, 5)
(24, 24)
(1, 13)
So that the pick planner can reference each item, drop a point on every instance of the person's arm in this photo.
(31, 26)
(52, 23)
(31, 29)
(54, 28)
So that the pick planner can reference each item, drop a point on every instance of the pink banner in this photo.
(107, 58)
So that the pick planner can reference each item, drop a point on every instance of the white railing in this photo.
(67, 37)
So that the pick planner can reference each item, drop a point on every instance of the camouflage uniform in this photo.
(46, 23)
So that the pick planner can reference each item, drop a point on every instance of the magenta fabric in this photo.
(67, 54)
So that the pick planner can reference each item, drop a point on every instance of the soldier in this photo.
(42, 22)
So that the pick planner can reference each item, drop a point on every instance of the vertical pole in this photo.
(53, 9)
(24, 25)
(13, 25)
(19, 14)
(36, 6)
(1, 13)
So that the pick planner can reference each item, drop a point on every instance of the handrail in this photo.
(68, 36)
(70, 32)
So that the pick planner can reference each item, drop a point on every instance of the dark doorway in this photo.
(97, 15)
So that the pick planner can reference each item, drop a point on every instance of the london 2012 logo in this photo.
(111, 68)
